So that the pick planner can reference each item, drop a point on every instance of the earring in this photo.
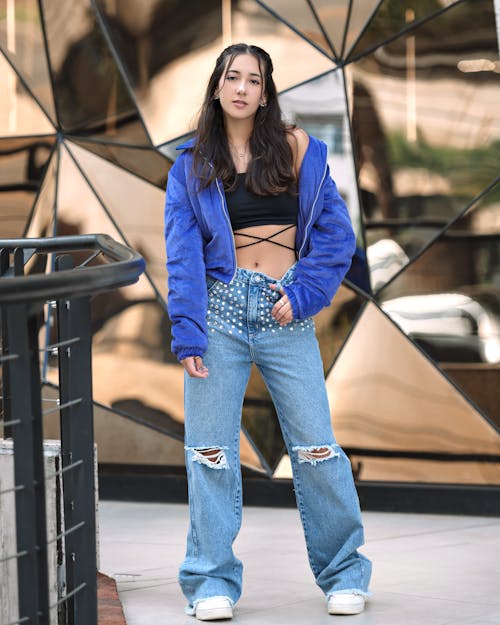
(263, 104)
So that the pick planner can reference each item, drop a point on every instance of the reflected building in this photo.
(94, 99)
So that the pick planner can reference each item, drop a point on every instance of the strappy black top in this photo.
(249, 209)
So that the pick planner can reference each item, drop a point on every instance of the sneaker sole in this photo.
(353, 608)
(214, 614)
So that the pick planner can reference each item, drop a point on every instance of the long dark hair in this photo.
(270, 170)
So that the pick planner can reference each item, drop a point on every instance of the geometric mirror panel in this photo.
(294, 59)
(412, 126)
(20, 114)
(448, 302)
(319, 107)
(136, 205)
(343, 21)
(391, 399)
(21, 39)
(147, 163)
(160, 44)
(426, 126)
(393, 16)
(301, 16)
(41, 221)
(361, 14)
(331, 25)
(80, 210)
(91, 95)
(23, 164)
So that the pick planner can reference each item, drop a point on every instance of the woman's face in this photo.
(241, 89)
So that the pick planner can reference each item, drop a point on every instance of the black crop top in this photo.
(249, 209)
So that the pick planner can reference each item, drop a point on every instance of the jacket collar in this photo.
(187, 145)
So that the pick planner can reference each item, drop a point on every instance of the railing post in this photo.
(77, 442)
(7, 431)
(29, 472)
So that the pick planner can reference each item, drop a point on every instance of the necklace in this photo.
(238, 151)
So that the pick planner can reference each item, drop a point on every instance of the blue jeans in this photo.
(241, 332)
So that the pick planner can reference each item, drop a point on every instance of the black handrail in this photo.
(22, 314)
(126, 268)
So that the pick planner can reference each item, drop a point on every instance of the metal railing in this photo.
(23, 306)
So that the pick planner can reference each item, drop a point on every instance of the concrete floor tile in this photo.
(428, 569)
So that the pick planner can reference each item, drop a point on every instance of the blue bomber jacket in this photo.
(200, 243)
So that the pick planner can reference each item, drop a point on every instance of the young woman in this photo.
(258, 240)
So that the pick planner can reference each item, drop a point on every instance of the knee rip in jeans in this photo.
(213, 457)
(315, 453)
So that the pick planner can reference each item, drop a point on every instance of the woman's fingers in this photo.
(282, 310)
(195, 367)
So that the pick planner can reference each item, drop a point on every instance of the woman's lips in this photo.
(239, 104)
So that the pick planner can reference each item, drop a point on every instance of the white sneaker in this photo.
(346, 603)
(213, 609)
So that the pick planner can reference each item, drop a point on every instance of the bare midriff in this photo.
(265, 256)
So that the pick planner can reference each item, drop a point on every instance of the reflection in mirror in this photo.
(162, 58)
(147, 163)
(333, 26)
(168, 50)
(136, 206)
(393, 16)
(23, 173)
(319, 107)
(426, 131)
(378, 405)
(21, 39)
(301, 16)
(448, 302)
(92, 97)
(19, 112)
(343, 20)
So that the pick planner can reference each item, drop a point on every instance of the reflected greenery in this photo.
(467, 170)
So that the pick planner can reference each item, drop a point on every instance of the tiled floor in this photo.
(428, 570)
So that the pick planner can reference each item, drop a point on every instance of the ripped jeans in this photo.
(241, 331)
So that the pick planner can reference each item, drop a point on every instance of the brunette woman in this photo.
(258, 241)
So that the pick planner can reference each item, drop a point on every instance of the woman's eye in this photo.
(255, 82)
(230, 77)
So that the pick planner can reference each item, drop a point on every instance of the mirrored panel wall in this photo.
(405, 96)
(448, 303)
(426, 128)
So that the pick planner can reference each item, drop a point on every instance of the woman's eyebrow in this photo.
(237, 71)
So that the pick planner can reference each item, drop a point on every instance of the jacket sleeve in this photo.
(187, 292)
(319, 273)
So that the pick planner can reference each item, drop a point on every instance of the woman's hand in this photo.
(194, 367)
(282, 310)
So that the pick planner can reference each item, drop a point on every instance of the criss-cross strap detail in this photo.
(262, 239)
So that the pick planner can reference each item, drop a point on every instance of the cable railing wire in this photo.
(69, 466)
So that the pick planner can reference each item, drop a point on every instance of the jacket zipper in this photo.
(226, 213)
(312, 209)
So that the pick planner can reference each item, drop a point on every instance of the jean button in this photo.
(257, 278)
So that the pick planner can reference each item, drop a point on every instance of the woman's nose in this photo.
(241, 86)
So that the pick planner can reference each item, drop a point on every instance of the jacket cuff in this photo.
(189, 351)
